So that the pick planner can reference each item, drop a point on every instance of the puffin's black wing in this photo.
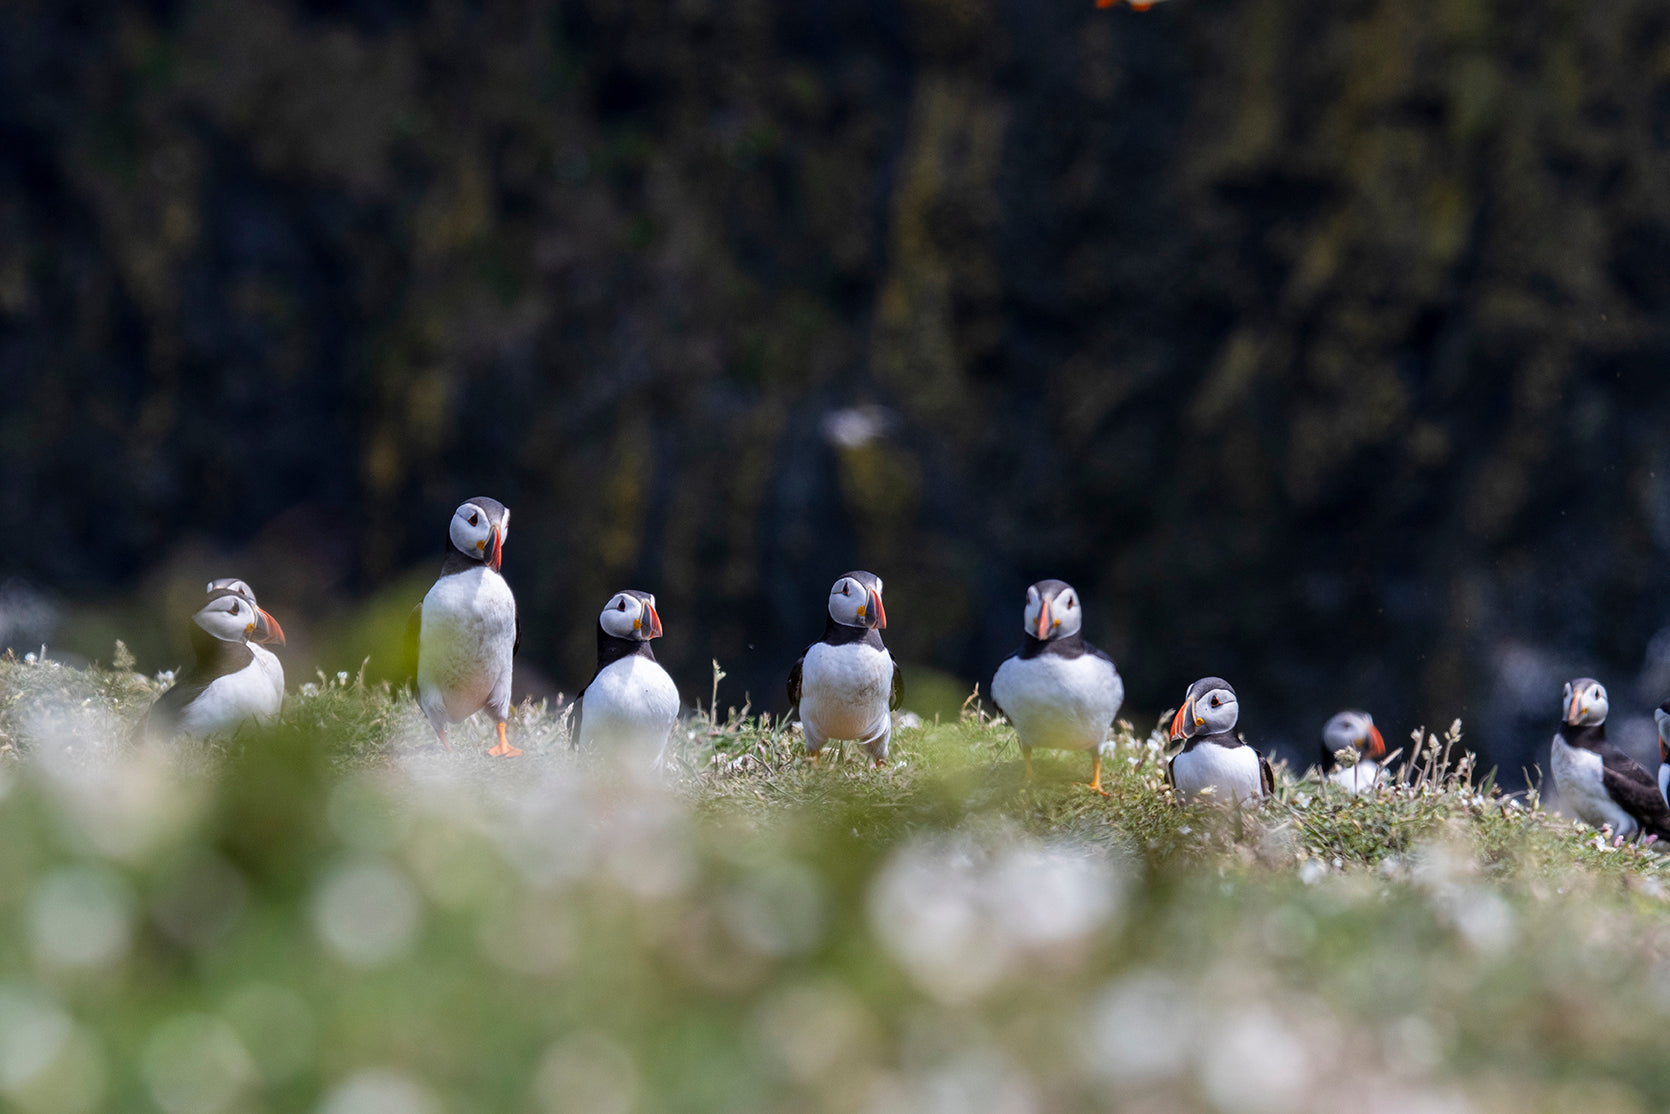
(414, 631)
(1171, 774)
(517, 645)
(1635, 790)
(897, 696)
(165, 711)
(991, 689)
(794, 684)
(574, 721)
(1266, 774)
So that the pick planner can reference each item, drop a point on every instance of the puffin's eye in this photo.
(1068, 602)
(1216, 702)
(234, 609)
(621, 606)
(475, 519)
(845, 590)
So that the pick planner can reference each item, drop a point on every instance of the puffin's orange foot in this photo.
(881, 763)
(814, 756)
(504, 749)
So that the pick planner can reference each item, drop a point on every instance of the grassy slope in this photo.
(332, 911)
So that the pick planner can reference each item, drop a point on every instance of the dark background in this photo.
(1321, 343)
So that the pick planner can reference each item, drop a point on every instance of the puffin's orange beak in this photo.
(878, 615)
(1178, 722)
(1376, 742)
(497, 557)
(1571, 709)
(1043, 620)
(267, 628)
(654, 624)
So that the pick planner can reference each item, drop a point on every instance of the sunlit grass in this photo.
(332, 914)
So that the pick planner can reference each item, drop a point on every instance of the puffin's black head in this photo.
(229, 617)
(855, 601)
(479, 529)
(1210, 707)
(1052, 611)
(1353, 729)
(267, 629)
(631, 614)
(1585, 703)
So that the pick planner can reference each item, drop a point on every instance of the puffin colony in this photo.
(1059, 691)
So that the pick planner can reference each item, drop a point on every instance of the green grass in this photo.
(331, 914)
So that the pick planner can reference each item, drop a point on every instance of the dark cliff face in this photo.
(1320, 345)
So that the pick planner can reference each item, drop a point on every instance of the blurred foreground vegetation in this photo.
(333, 915)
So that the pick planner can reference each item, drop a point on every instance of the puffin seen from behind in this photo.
(631, 704)
(1598, 782)
(1214, 757)
(1058, 690)
(1354, 729)
(466, 631)
(225, 685)
(271, 667)
(846, 684)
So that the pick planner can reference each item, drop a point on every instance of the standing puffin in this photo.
(1058, 690)
(631, 703)
(1213, 756)
(1662, 715)
(1596, 780)
(846, 684)
(466, 630)
(265, 658)
(1356, 730)
(225, 685)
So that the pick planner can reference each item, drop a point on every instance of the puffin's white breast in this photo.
(1058, 702)
(466, 638)
(845, 689)
(1360, 778)
(1579, 775)
(271, 668)
(1226, 770)
(229, 700)
(632, 703)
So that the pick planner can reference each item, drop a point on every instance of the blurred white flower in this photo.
(33, 1030)
(813, 1029)
(777, 909)
(1255, 1062)
(586, 1073)
(380, 1091)
(195, 1064)
(1141, 1030)
(80, 916)
(958, 916)
(368, 913)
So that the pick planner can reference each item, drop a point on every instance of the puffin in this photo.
(466, 631)
(1213, 755)
(226, 684)
(1596, 780)
(268, 661)
(1662, 715)
(630, 704)
(1058, 690)
(1353, 729)
(846, 684)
